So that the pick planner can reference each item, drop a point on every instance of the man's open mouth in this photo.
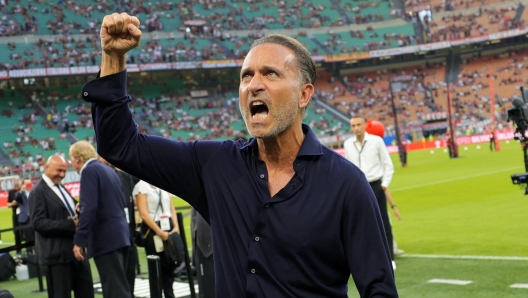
(259, 110)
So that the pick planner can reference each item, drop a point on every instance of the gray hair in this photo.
(304, 60)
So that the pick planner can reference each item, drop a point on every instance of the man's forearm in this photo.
(112, 64)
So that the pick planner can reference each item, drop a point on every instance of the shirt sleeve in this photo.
(171, 165)
(365, 243)
(346, 148)
(139, 188)
(386, 163)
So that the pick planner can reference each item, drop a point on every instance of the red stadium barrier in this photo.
(3, 199)
(73, 188)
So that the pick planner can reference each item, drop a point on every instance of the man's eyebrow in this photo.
(268, 68)
(264, 68)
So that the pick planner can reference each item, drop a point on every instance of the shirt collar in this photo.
(48, 180)
(365, 138)
(310, 146)
(86, 163)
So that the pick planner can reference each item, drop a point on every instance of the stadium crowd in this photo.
(353, 94)
(458, 25)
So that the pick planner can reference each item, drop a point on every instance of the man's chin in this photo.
(260, 133)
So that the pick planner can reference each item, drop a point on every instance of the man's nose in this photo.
(256, 84)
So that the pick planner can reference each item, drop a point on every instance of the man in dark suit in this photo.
(12, 203)
(54, 220)
(22, 199)
(203, 255)
(128, 181)
(102, 222)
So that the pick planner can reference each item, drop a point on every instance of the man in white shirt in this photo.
(369, 153)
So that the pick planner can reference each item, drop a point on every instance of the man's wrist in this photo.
(112, 64)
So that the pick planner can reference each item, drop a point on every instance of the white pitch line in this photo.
(457, 282)
(519, 286)
(466, 257)
(455, 179)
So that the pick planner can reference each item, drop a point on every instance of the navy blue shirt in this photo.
(303, 242)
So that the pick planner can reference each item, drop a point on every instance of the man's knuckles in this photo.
(134, 21)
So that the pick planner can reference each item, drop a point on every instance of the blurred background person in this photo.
(12, 203)
(22, 199)
(369, 153)
(103, 228)
(203, 255)
(128, 182)
(159, 221)
(55, 221)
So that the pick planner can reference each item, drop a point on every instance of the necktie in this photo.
(66, 201)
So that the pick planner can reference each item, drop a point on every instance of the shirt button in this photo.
(267, 205)
(253, 271)
(262, 176)
(257, 239)
(85, 93)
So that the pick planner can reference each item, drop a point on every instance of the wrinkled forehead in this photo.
(270, 54)
(57, 164)
(356, 121)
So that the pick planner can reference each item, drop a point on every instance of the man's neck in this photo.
(281, 150)
(360, 138)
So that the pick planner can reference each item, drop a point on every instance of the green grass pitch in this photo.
(450, 207)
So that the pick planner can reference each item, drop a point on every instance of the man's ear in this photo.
(307, 91)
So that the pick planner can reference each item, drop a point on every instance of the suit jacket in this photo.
(201, 233)
(128, 181)
(54, 230)
(12, 194)
(23, 205)
(102, 222)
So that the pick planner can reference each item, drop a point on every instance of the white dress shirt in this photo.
(158, 200)
(58, 190)
(372, 158)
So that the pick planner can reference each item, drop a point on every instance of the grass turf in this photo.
(464, 206)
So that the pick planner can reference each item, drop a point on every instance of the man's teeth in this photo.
(260, 116)
(257, 103)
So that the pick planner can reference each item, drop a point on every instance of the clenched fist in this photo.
(119, 34)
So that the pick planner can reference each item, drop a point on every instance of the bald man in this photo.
(55, 221)
(369, 153)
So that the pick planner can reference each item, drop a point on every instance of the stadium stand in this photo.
(509, 72)
(59, 51)
(450, 5)
(65, 34)
(459, 25)
(369, 39)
